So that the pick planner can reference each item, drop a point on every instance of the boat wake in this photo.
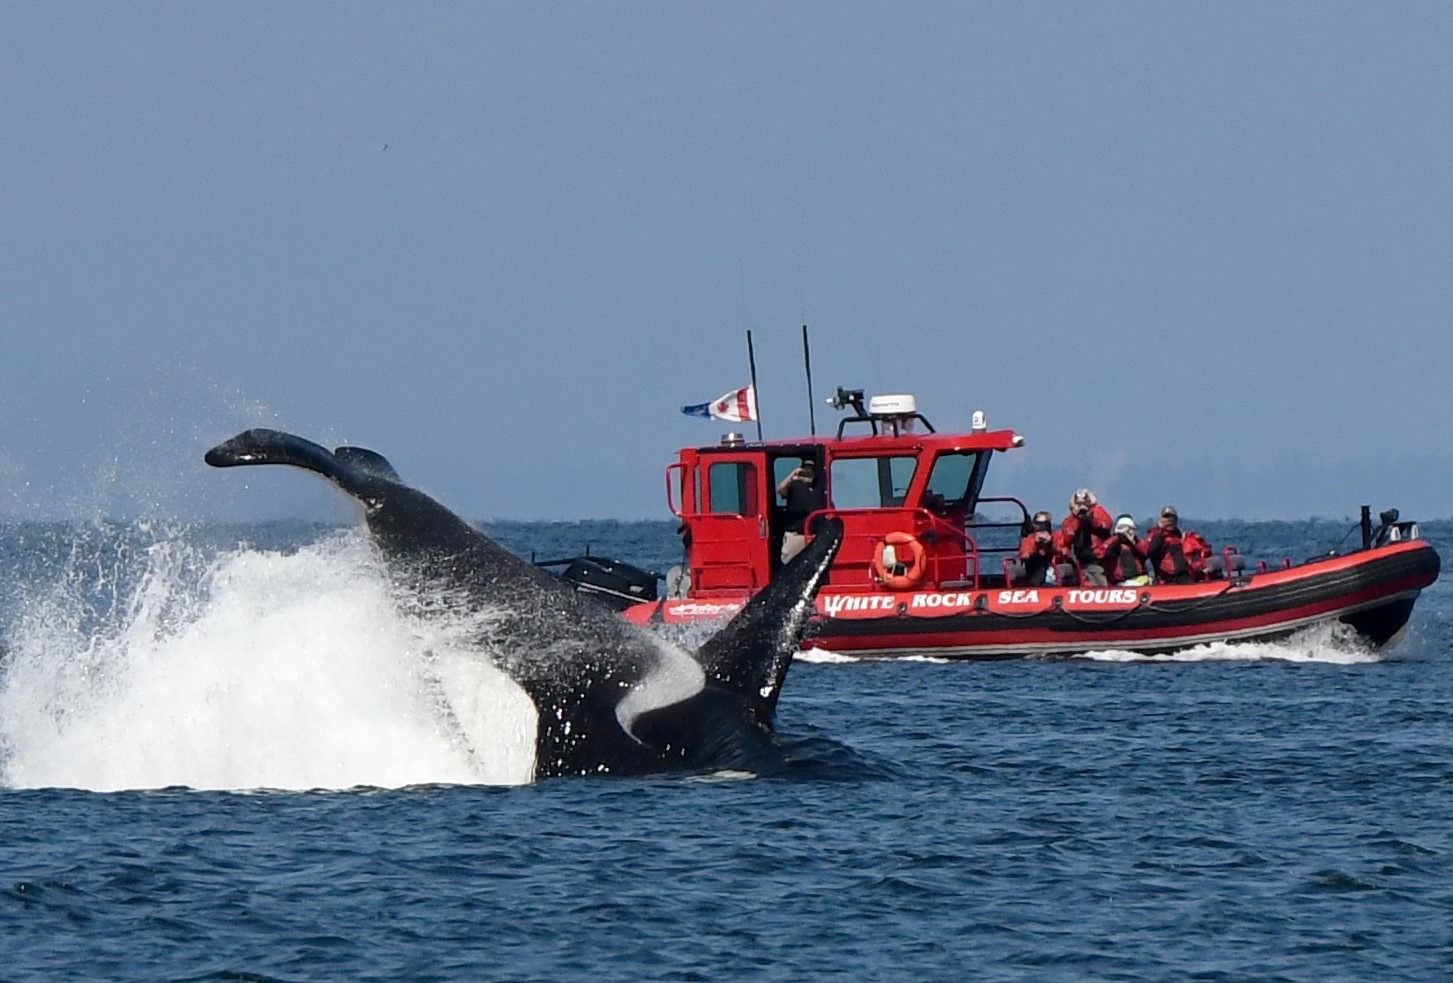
(824, 656)
(172, 665)
(1335, 644)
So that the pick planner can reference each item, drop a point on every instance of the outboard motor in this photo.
(618, 584)
(1393, 531)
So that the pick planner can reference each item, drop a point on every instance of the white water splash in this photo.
(253, 670)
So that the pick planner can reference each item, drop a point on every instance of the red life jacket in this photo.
(1030, 545)
(1197, 552)
(1101, 528)
(1124, 561)
(1166, 549)
(1037, 557)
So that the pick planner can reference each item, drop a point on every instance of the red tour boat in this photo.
(923, 572)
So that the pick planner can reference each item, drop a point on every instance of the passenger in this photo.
(1125, 555)
(1083, 535)
(801, 496)
(678, 578)
(1038, 550)
(1197, 552)
(1166, 550)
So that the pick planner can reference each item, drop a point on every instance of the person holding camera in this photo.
(1126, 555)
(1038, 550)
(1176, 557)
(801, 496)
(1083, 535)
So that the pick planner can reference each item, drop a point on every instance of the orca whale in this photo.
(612, 698)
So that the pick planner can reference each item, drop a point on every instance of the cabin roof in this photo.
(873, 444)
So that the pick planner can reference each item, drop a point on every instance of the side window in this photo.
(732, 487)
(870, 482)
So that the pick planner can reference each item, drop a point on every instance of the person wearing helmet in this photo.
(1125, 555)
(1083, 535)
(1165, 549)
(1038, 549)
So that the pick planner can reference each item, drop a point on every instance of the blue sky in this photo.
(1195, 253)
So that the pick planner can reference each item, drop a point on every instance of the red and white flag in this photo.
(737, 406)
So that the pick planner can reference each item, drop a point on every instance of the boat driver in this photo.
(802, 496)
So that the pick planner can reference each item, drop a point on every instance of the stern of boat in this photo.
(1407, 565)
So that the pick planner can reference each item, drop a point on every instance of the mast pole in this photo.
(756, 397)
(807, 366)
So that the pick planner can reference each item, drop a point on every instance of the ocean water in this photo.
(223, 756)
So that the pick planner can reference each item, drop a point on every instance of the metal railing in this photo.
(932, 529)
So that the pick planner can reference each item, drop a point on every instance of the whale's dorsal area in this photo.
(612, 698)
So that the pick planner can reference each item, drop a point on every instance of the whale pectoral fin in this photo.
(752, 653)
(370, 462)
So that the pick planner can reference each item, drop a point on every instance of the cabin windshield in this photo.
(871, 482)
(956, 479)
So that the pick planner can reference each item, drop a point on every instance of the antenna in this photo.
(756, 396)
(807, 366)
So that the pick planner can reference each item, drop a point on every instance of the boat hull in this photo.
(1371, 591)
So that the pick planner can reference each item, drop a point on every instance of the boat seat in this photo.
(1014, 572)
(1230, 564)
(1066, 575)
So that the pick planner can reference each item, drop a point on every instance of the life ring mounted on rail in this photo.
(889, 564)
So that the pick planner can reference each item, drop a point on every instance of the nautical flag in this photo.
(738, 406)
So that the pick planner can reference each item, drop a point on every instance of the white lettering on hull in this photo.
(950, 600)
(1104, 596)
(835, 604)
(703, 609)
(1028, 599)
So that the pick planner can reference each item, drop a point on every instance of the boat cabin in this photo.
(908, 497)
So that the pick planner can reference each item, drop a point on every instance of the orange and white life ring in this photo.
(889, 564)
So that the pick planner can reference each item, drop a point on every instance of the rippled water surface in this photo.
(222, 763)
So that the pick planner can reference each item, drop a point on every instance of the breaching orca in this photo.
(612, 698)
